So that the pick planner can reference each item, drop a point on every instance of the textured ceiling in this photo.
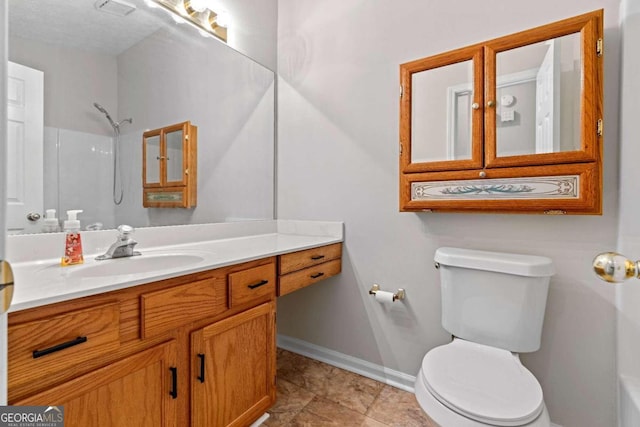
(78, 24)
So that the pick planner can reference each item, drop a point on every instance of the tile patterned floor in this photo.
(314, 394)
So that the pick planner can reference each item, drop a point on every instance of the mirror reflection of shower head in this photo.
(118, 190)
(103, 111)
(114, 125)
(129, 120)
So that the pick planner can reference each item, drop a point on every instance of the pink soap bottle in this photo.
(73, 242)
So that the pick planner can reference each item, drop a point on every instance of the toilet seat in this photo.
(483, 383)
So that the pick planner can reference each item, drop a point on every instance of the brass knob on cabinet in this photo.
(483, 174)
(475, 106)
(491, 103)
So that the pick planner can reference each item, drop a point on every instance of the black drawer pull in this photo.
(315, 276)
(174, 382)
(317, 257)
(257, 285)
(201, 376)
(40, 353)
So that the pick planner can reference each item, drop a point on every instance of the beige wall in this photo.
(73, 81)
(338, 160)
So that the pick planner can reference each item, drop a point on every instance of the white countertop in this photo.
(175, 251)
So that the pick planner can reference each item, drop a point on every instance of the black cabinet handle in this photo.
(315, 276)
(201, 376)
(40, 353)
(257, 285)
(174, 382)
(317, 257)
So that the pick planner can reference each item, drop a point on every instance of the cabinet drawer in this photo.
(171, 308)
(307, 258)
(252, 284)
(44, 348)
(299, 279)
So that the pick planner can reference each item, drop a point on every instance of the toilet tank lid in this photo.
(519, 264)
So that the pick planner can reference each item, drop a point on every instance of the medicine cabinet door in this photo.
(151, 153)
(440, 112)
(543, 94)
(176, 138)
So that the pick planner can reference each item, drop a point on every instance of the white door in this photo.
(3, 198)
(25, 131)
(547, 102)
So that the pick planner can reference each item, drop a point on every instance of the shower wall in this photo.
(80, 164)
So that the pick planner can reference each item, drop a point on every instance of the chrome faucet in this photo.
(123, 247)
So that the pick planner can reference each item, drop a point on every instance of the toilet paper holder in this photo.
(399, 295)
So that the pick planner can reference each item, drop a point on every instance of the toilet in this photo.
(493, 304)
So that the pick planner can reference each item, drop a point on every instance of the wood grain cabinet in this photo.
(194, 350)
(303, 268)
(512, 124)
(170, 166)
(234, 375)
(139, 390)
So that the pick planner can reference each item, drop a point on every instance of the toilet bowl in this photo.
(493, 304)
(465, 384)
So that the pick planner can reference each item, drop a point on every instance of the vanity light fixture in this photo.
(198, 13)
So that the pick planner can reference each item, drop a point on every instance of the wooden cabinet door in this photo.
(233, 369)
(136, 391)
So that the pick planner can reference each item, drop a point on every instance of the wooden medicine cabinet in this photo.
(169, 166)
(509, 125)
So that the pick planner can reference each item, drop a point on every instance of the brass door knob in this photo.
(614, 268)
(491, 103)
(6, 286)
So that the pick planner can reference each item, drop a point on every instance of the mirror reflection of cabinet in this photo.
(513, 124)
(169, 172)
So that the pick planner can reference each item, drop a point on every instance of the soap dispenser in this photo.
(51, 224)
(73, 243)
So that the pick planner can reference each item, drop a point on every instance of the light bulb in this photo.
(223, 18)
(198, 5)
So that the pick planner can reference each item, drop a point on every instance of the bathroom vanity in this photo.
(193, 344)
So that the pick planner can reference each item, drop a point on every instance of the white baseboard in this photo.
(348, 363)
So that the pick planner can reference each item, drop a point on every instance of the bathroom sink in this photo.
(136, 265)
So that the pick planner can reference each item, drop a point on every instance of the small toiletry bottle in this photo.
(73, 243)
(51, 224)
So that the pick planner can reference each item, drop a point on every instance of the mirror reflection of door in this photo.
(441, 111)
(538, 102)
(25, 129)
(548, 102)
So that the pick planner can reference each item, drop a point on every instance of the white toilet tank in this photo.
(494, 298)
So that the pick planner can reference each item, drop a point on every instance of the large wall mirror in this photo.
(99, 80)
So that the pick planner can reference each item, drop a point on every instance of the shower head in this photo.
(103, 111)
(100, 108)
